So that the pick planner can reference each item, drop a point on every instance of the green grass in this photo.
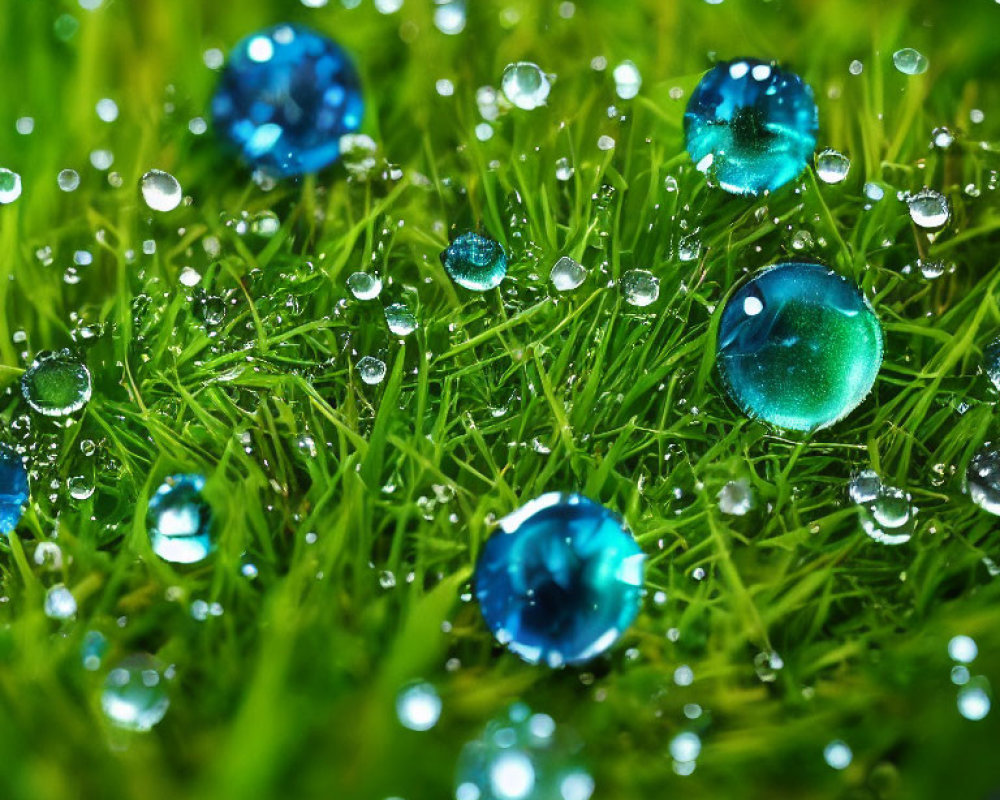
(494, 400)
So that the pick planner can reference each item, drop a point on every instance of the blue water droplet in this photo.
(475, 262)
(286, 97)
(134, 696)
(561, 581)
(751, 126)
(13, 489)
(180, 521)
(798, 346)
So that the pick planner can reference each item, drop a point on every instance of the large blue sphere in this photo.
(751, 126)
(285, 98)
(13, 489)
(560, 581)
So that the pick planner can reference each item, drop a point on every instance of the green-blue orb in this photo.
(799, 346)
(180, 520)
(475, 262)
(561, 580)
(751, 126)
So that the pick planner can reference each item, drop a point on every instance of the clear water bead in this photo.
(837, 754)
(929, 208)
(567, 274)
(640, 287)
(525, 85)
(751, 126)
(564, 169)
(736, 497)
(364, 285)
(475, 262)
(973, 702)
(982, 478)
(371, 369)
(400, 320)
(10, 186)
(418, 707)
(889, 517)
(991, 362)
(56, 384)
(628, 81)
(60, 603)
(285, 98)
(832, 166)
(561, 580)
(798, 346)
(864, 486)
(180, 520)
(963, 649)
(160, 190)
(13, 489)
(68, 180)
(910, 61)
(134, 697)
(522, 756)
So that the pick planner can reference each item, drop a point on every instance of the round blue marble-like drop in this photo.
(751, 126)
(560, 581)
(180, 521)
(475, 262)
(285, 97)
(13, 489)
(798, 346)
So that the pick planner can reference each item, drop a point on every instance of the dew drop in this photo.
(929, 208)
(525, 85)
(418, 707)
(982, 478)
(832, 166)
(372, 370)
(628, 81)
(56, 384)
(134, 696)
(400, 320)
(973, 702)
(837, 754)
(640, 287)
(10, 186)
(910, 61)
(68, 180)
(160, 190)
(564, 169)
(567, 274)
(59, 603)
(180, 521)
(364, 286)
(963, 649)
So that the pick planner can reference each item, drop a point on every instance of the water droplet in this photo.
(160, 190)
(418, 707)
(856, 67)
(10, 186)
(837, 754)
(364, 285)
(92, 650)
(285, 98)
(567, 274)
(832, 166)
(798, 346)
(910, 61)
(56, 384)
(973, 702)
(449, 16)
(640, 287)
(107, 109)
(68, 180)
(475, 262)
(13, 489)
(400, 319)
(889, 518)
(49, 556)
(684, 675)
(963, 649)
(983, 478)
(929, 208)
(79, 487)
(628, 81)
(180, 521)
(751, 126)
(942, 137)
(560, 581)
(685, 747)
(564, 169)
(736, 497)
(371, 370)
(189, 277)
(525, 85)
(59, 603)
(991, 362)
(135, 696)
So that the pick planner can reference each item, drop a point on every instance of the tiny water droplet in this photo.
(56, 384)
(59, 603)
(400, 319)
(640, 287)
(832, 166)
(134, 696)
(525, 85)
(10, 186)
(364, 286)
(567, 274)
(372, 370)
(929, 208)
(910, 61)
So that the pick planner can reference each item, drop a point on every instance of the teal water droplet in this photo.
(400, 320)
(134, 697)
(475, 262)
(180, 520)
(13, 489)
(10, 186)
(798, 346)
(56, 384)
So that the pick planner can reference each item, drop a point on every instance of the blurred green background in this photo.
(365, 545)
